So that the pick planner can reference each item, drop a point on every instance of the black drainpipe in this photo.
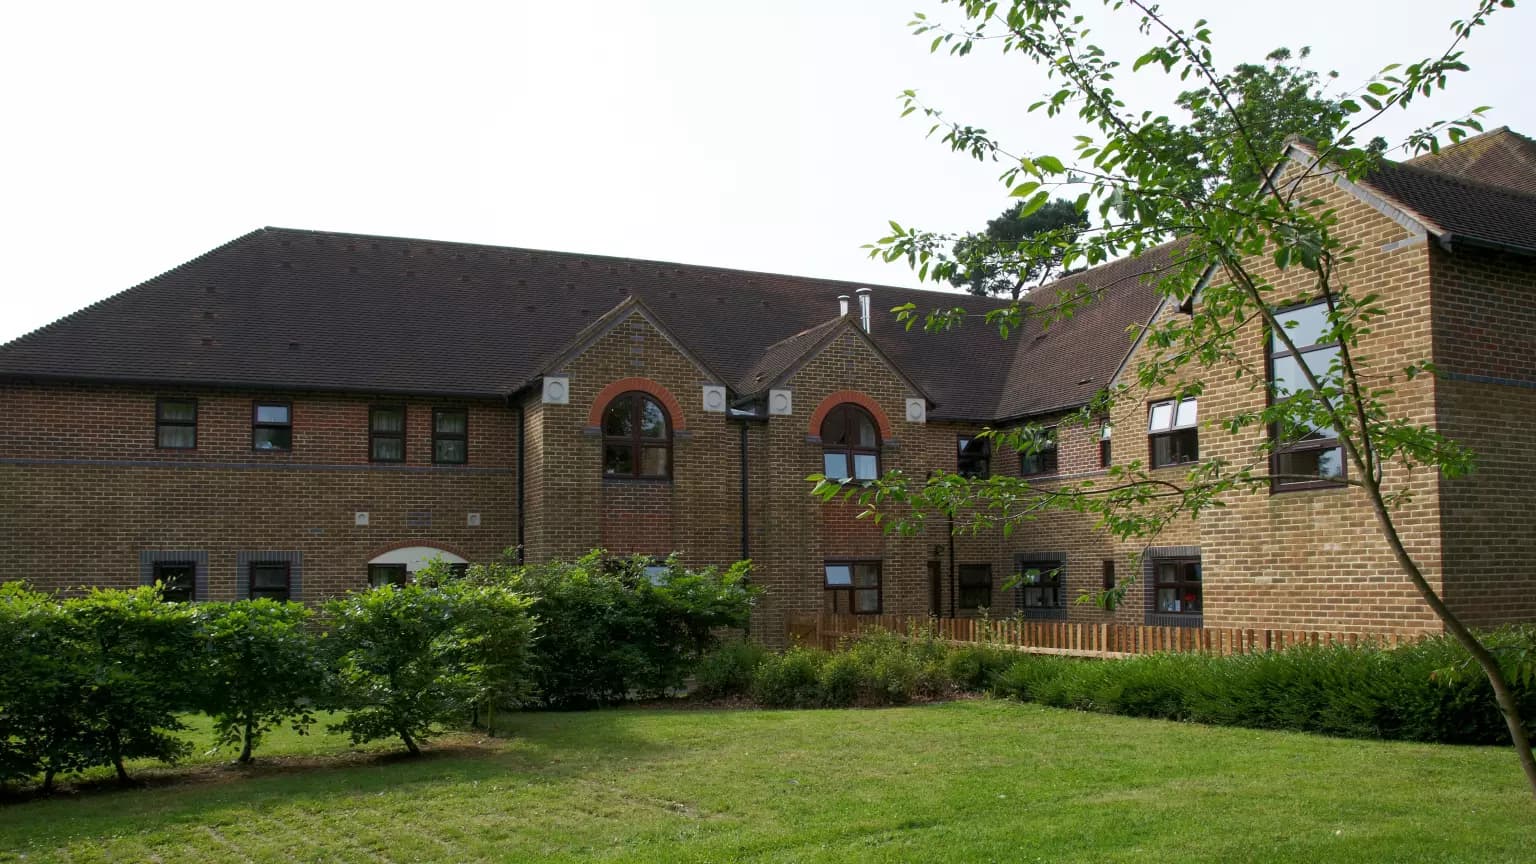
(953, 585)
(522, 464)
(745, 546)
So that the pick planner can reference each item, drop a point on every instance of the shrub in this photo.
(411, 657)
(609, 632)
(728, 670)
(974, 667)
(790, 679)
(42, 690)
(260, 668)
(135, 650)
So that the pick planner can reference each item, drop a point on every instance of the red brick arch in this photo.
(857, 398)
(644, 385)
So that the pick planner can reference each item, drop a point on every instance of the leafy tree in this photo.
(412, 657)
(259, 667)
(42, 729)
(990, 263)
(1270, 244)
(134, 650)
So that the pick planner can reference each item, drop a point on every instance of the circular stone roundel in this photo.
(780, 403)
(914, 410)
(555, 390)
(714, 399)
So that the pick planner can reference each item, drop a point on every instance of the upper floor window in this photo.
(1105, 452)
(975, 586)
(272, 426)
(177, 580)
(269, 579)
(1041, 459)
(850, 444)
(386, 433)
(974, 457)
(450, 436)
(1306, 454)
(637, 438)
(1173, 433)
(176, 424)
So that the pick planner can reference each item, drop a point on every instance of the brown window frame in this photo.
(1178, 584)
(850, 451)
(635, 442)
(256, 424)
(375, 435)
(191, 589)
(1273, 353)
(162, 423)
(1106, 451)
(962, 442)
(1176, 432)
(1057, 587)
(250, 584)
(1049, 457)
(965, 592)
(450, 436)
(402, 578)
(851, 590)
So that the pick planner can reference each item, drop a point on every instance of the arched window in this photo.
(851, 444)
(637, 438)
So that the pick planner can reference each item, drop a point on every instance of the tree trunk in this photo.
(48, 775)
(1502, 693)
(115, 746)
(250, 731)
(410, 743)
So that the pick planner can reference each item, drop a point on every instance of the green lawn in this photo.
(968, 781)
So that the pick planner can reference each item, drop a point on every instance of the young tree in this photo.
(1265, 241)
(258, 667)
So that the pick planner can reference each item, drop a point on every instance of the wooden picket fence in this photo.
(1071, 638)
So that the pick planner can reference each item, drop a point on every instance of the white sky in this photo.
(756, 135)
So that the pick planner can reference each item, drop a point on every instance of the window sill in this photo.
(1039, 613)
(1176, 619)
(1307, 487)
(636, 481)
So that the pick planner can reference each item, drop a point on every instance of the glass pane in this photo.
(866, 576)
(1168, 572)
(278, 594)
(1190, 600)
(1106, 432)
(656, 573)
(1305, 326)
(1324, 464)
(1287, 373)
(273, 439)
(833, 430)
(1192, 571)
(451, 422)
(388, 420)
(269, 577)
(866, 601)
(1034, 597)
(184, 412)
(176, 581)
(618, 459)
(451, 452)
(839, 574)
(619, 417)
(653, 462)
(865, 466)
(1188, 410)
(174, 437)
(388, 449)
(865, 429)
(271, 413)
(1168, 600)
(835, 465)
(386, 574)
(1161, 417)
(653, 421)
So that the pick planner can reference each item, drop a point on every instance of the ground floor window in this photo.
(386, 574)
(1178, 585)
(853, 586)
(1042, 586)
(975, 586)
(178, 580)
(269, 579)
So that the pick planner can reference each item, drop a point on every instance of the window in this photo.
(850, 444)
(450, 436)
(386, 433)
(1042, 460)
(1104, 448)
(386, 574)
(271, 426)
(176, 424)
(1172, 432)
(269, 579)
(637, 438)
(178, 580)
(1040, 587)
(1306, 455)
(975, 586)
(853, 586)
(1109, 574)
(974, 457)
(935, 589)
(1177, 585)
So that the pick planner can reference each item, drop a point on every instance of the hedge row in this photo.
(1428, 691)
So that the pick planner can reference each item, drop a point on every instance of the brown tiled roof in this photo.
(783, 355)
(1499, 157)
(1460, 210)
(293, 309)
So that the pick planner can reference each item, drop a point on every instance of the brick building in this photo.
(301, 413)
